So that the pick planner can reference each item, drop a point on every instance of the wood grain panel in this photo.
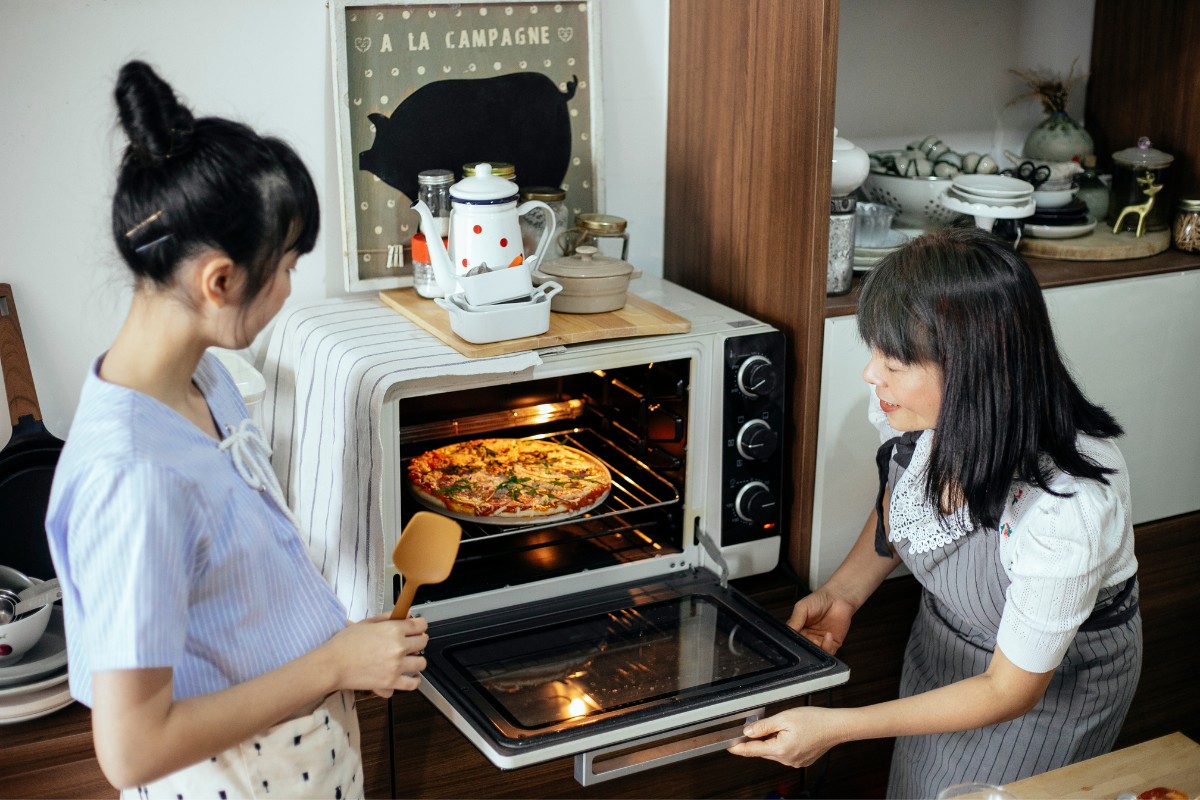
(1145, 81)
(52, 757)
(749, 153)
(1168, 553)
(375, 723)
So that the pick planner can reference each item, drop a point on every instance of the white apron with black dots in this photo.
(316, 755)
(953, 638)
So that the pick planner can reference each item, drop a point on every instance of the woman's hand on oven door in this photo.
(823, 618)
(796, 737)
(379, 654)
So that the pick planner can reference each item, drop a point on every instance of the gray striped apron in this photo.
(953, 638)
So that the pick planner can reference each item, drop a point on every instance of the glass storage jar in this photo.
(1187, 225)
(532, 225)
(433, 186)
(603, 231)
(500, 168)
(424, 281)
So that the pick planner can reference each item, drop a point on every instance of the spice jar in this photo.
(532, 225)
(1187, 225)
(433, 187)
(603, 231)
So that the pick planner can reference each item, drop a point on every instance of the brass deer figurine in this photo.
(1141, 209)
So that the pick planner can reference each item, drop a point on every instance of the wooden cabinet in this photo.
(749, 143)
(54, 757)
(749, 154)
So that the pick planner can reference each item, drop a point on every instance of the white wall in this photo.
(265, 62)
(907, 69)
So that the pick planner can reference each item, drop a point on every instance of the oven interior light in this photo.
(582, 704)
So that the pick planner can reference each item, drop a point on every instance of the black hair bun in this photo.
(158, 126)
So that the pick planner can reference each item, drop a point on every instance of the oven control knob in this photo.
(755, 503)
(756, 440)
(756, 377)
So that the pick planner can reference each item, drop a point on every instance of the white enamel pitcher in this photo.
(485, 229)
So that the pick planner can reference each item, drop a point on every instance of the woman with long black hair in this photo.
(1004, 493)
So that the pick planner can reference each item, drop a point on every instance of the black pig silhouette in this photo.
(520, 119)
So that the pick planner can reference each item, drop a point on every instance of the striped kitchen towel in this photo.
(328, 367)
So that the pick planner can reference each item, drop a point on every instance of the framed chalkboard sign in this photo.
(433, 85)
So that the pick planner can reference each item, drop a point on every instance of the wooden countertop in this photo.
(1052, 273)
(1171, 761)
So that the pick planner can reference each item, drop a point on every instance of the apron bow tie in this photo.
(904, 445)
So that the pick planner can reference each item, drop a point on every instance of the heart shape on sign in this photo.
(362, 44)
(565, 34)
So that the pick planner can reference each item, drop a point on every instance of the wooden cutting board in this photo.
(1171, 761)
(1099, 245)
(639, 317)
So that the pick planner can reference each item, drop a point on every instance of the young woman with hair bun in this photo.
(214, 657)
(1004, 493)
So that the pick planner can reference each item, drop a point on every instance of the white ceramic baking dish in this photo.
(496, 323)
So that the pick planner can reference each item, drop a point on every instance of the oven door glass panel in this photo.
(615, 660)
(602, 660)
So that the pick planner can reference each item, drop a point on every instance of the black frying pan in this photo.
(27, 462)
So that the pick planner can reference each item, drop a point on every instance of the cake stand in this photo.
(986, 214)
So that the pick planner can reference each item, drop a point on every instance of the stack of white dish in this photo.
(33, 658)
(866, 258)
(481, 318)
(989, 198)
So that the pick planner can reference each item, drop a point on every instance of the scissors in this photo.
(1030, 173)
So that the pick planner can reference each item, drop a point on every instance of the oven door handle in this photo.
(596, 766)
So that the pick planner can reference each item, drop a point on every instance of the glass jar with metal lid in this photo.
(433, 186)
(532, 225)
(603, 231)
(499, 169)
(1187, 225)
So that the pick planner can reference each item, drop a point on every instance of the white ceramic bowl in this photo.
(1053, 198)
(915, 199)
(498, 323)
(18, 636)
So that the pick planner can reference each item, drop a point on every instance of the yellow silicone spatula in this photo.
(424, 554)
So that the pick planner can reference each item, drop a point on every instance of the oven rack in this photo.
(636, 488)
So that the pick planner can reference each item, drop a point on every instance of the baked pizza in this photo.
(509, 480)
(1162, 793)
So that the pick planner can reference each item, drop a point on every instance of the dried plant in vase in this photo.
(1058, 137)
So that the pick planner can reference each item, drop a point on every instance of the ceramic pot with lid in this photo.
(592, 283)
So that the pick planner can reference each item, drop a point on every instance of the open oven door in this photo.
(623, 678)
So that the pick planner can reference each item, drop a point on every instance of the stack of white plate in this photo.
(992, 196)
(866, 257)
(37, 684)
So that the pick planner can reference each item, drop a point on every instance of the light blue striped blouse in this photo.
(167, 556)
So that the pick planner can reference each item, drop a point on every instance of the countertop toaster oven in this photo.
(614, 636)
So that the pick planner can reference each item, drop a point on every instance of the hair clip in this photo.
(148, 245)
(129, 233)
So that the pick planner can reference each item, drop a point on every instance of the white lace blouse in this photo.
(1058, 552)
